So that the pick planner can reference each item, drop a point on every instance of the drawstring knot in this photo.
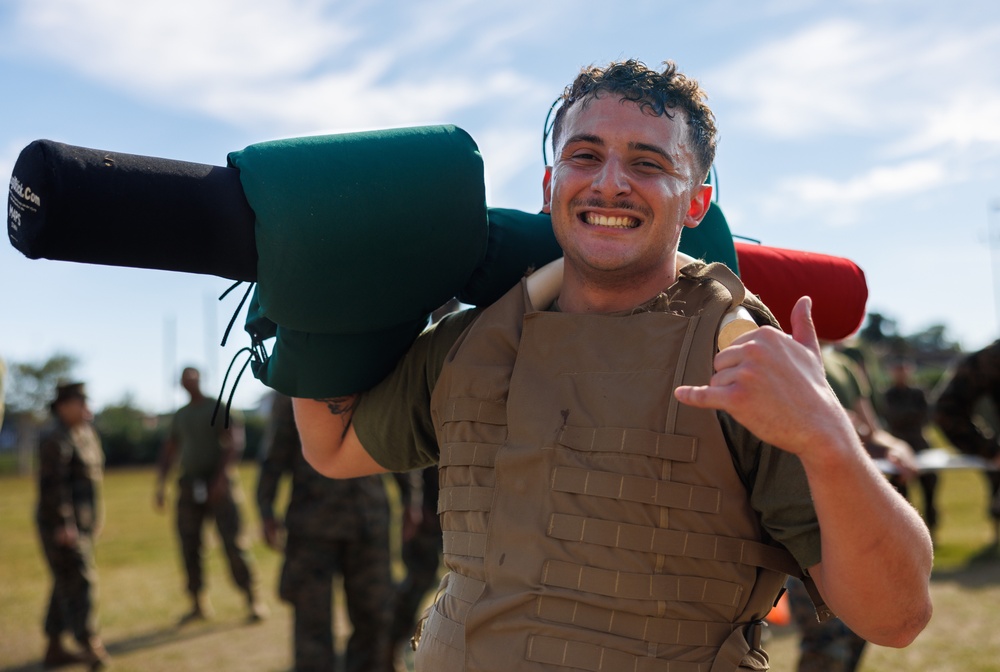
(256, 352)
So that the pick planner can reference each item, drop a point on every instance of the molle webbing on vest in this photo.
(468, 544)
(445, 630)
(475, 410)
(461, 592)
(624, 624)
(636, 489)
(596, 658)
(632, 586)
(469, 454)
(465, 498)
(464, 588)
(671, 542)
(590, 520)
(630, 442)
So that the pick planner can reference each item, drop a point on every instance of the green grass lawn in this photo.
(965, 588)
(142, 590)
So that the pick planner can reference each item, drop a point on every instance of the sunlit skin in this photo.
(622, 187)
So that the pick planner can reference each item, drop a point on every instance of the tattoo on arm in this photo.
(342, 406)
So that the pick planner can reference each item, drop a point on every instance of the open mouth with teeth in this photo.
(610, 222)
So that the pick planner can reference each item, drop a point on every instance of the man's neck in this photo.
(581, 295)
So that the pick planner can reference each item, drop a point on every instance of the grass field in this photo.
(141, 591)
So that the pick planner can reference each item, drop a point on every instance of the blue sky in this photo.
(868, 129)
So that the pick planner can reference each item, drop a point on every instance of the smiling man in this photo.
(619, 188)
(615, 492)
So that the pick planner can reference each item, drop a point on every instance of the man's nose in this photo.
(612, 179)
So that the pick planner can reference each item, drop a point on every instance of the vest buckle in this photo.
(753, 633)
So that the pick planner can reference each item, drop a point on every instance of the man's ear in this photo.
(700, 202)
(547, 191)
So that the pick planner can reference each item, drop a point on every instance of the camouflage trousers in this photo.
(191, 518)
(824, 647)
(307, 584)
(74, 583)
(422, 556)
(993, 483)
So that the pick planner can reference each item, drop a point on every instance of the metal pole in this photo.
(170, 372)
(993, 238)
(211, 340)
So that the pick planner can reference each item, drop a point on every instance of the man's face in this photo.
(74, 412)
(900, 374)
(621, 188)
(190, 380)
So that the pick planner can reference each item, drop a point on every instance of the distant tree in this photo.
(877, 329)
(933, 339)
(32, 385)
(3, 394)
(931, 350)
(129, 435)
(255, 425)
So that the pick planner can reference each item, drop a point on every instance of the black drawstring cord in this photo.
(232, 391)
(232, 321)
(256, 350)
(231, 288)
(259, 349)
(229, 402)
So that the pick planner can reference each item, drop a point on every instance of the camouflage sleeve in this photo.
(55, 502)
(976, 376)
(279, 454)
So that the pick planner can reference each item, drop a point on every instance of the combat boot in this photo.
(201, 609)
(95, 654)
(58, 656)
(258, 611)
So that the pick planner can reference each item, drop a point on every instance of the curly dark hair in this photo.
(655, 92)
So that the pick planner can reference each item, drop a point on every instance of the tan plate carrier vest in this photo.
(591, 522)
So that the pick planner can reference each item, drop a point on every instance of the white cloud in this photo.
(967, 121)
(880, 182)
(289, 65)
(507, 153)
(817, 80)
(352, 100)
(184, 43)
(898, 107)
(842, 202)
(845, 76)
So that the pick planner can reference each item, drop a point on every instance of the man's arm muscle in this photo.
(329, 442)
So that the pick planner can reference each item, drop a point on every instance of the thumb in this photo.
(803, 329)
